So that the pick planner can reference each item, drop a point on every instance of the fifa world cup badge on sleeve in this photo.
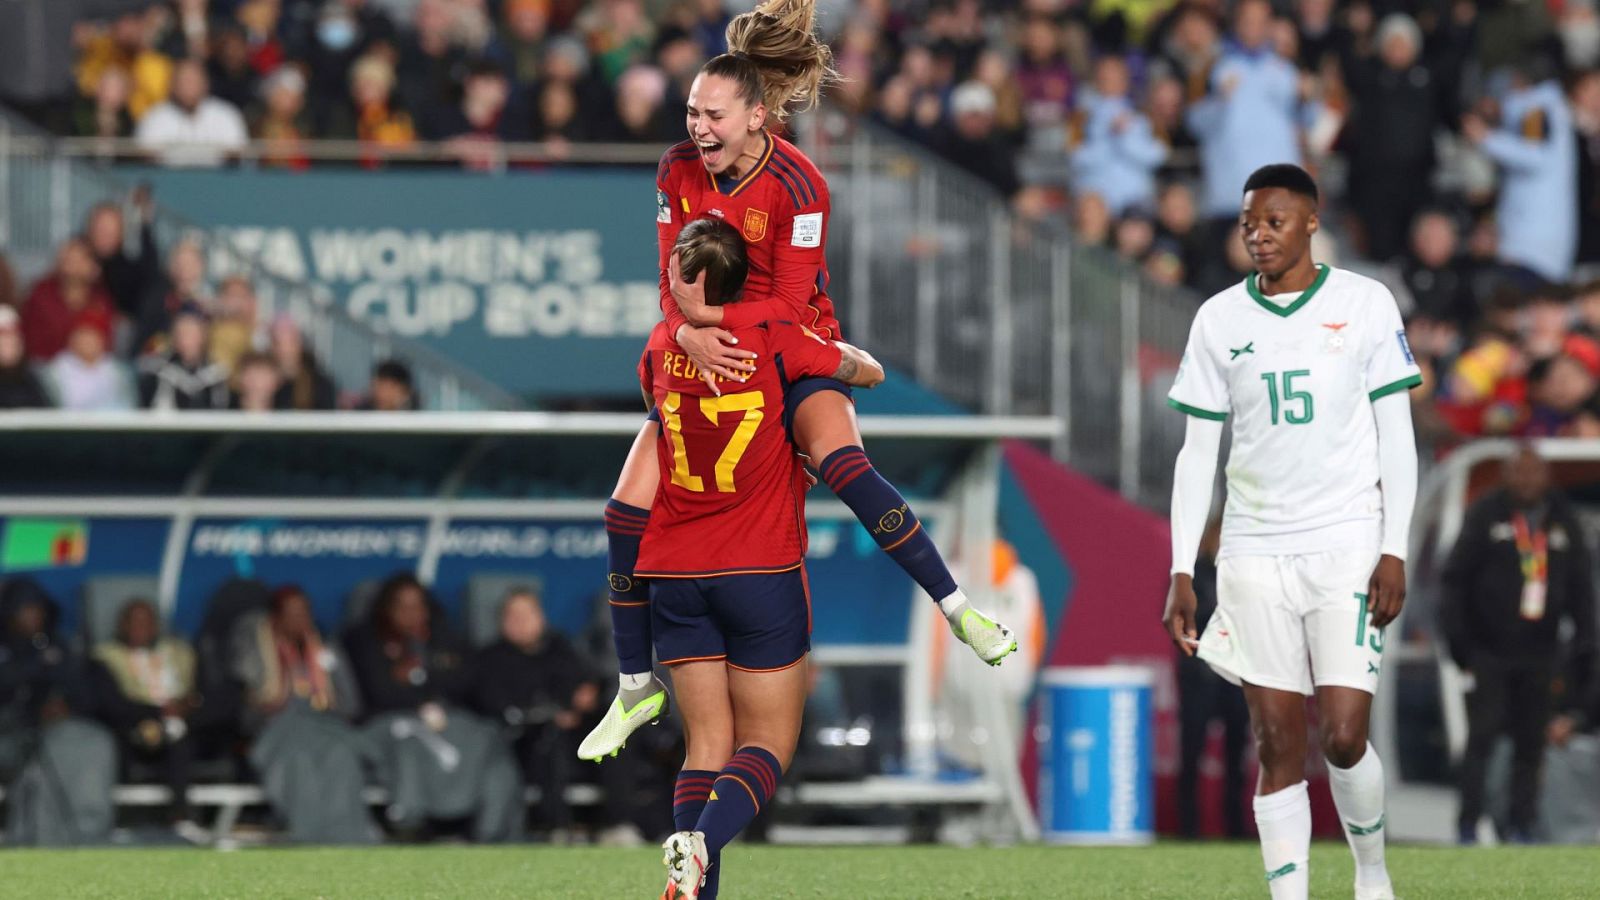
(808, 230)
(1405, 347)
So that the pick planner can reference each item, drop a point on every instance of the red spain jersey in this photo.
(781, 207)
(732, 494)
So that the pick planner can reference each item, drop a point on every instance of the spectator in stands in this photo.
(36, 55)
(126, 47)
(233, 79)
(373, 115)
(1116, 154)
(438, 760)
(536, 683)
(1251, 115)
(971, 141)
(127, 278)
(1433, 274)
(1561, 389)
(331, 38)
(20, 387)
(105, 114)
(1043, 74)
(184, 285)
(259, 20)
(557, 122)
(1485, 392)
(1389, 139)
(1519, 569)
(283, 118)
(518, 48)
(484, 118)
(1192, 47)
(391, 389)
(1585, 99)
(259, 383)
(236, 330)
(640, 114)
(56, 301)
(85, 376)
(184, 378)
(60, 766)
(1537, 213)
(1091, 220)
(301, 700)
(1164, 105)
(191, 31)
(144, 690)
(192, 128)
(620, 33)
(305, 385)
(430, 61)
(1177, 224)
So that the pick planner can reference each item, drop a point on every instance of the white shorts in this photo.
(1295, 623)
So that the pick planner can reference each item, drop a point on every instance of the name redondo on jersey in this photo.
(679, 365)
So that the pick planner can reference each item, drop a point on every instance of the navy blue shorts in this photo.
(804, 388)
(760, 623)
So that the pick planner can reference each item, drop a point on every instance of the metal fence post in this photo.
(1061, 346)
(861, 217)
(1128, 392)
(60, 200)
(1001, 369)
(927, 274)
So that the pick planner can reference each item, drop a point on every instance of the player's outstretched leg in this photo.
(1355, 775)
(688, 801)
(1282, 805)
(825, 427)
(641, 697)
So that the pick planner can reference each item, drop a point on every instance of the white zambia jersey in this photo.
(1298, 380)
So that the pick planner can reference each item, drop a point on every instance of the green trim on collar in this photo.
(1286, 311)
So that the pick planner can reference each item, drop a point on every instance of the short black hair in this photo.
(393, 370)
(1288, 176)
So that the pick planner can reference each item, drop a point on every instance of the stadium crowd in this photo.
(451, 728)
(1458, 142)
(109, 330)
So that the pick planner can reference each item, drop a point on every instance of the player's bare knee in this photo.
(1277, 744)
(1344, 742)
(708, 748)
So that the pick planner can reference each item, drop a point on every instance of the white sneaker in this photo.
(630, 711)
(989, 639)
(686, 858)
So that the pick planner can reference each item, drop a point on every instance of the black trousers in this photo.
(548, 756)
(1510, 699)
(1202, 698)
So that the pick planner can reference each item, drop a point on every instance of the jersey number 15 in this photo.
(747, 402)
(1290, 395)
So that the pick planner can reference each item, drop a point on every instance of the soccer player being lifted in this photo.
(1311, 365)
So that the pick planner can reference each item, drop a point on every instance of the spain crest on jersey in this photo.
(755, 225)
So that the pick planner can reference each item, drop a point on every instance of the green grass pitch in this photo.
(1187, 871)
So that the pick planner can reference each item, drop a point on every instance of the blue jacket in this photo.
(1119, 167)
(1240, 132)
(1537, 216)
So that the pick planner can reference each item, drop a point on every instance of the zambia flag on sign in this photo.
(43, 543)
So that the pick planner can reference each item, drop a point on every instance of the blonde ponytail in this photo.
(779, 37)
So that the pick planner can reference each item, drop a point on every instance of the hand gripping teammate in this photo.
(1312, 364)
(724, 558)
(734, 169)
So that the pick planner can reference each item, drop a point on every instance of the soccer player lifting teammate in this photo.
(724, 558)
(733, 168)
(1312, 364)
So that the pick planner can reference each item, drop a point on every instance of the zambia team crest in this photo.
(755, 225)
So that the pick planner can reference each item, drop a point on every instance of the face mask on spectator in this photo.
(336, 34)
